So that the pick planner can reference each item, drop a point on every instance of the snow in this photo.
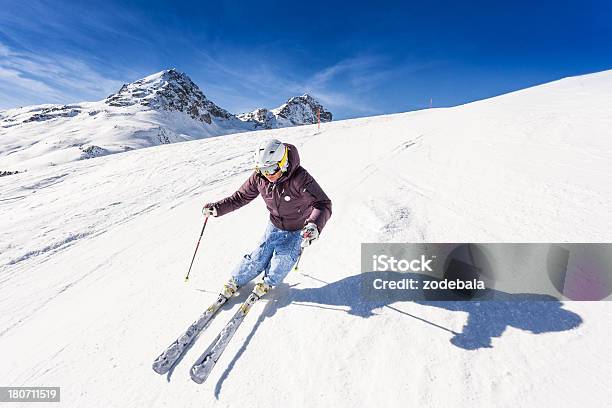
(35, 145)
(93, 254)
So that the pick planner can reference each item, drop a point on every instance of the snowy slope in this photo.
(166, 107)
(93, 255)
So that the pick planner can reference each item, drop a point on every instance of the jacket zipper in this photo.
(277, 206)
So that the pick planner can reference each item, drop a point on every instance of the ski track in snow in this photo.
(93, 255)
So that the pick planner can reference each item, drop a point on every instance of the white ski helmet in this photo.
(270, 156)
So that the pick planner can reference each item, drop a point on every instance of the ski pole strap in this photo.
(196, 249)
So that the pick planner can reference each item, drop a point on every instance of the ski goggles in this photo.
(276, 167)
(270, 170)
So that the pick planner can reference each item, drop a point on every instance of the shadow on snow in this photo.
(487, 319)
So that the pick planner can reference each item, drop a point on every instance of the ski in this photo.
(173, 353)
(204, 365)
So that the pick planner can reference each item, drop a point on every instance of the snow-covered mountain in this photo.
(163, 108)
(170, 91)
(299, 110)
(93, 256)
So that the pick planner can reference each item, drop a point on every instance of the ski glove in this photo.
(309, 233)
(209, 209)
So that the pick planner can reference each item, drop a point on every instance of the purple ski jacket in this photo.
(294, 200)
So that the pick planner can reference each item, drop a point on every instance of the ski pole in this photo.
(295, 268)
(196, 249)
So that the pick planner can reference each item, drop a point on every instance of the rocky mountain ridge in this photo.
(166, 107)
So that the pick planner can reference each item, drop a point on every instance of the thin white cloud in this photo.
(28, 78)
(349, 68)
(9, 76)
(341, 86)
(4, 51)
(340, 100)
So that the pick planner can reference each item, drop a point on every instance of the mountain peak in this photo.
(303, 109)
(298, 110)
(161, 78)
(169, 90)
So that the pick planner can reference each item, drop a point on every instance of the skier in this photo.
(298, 210)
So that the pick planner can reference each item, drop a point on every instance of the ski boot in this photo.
(229, 289)
(259, 291)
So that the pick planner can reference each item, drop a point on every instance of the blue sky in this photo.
(357, 58)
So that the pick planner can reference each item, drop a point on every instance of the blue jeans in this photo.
(275, 256)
